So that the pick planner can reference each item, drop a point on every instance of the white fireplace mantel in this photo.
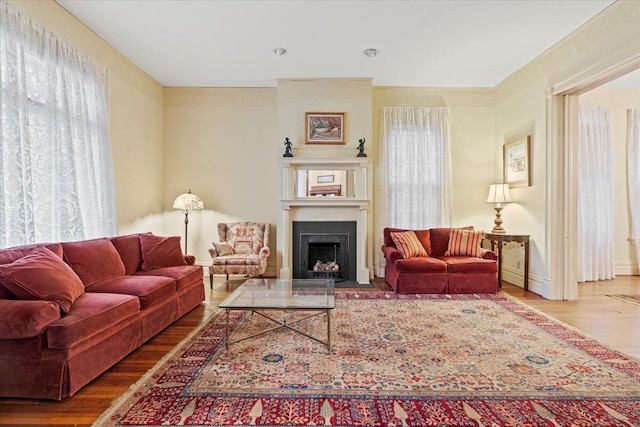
(341, 208)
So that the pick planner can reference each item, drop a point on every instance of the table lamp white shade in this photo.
(498, 195)
(187, 202)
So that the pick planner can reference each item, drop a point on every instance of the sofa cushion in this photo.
(158, 252)
(237, 259)
(149, 289)
(466, 264)
(464, 242)
(421, 265)
(92, 314)
(129, 249)
(25, 319)
(184, 275)
(408, 244)
(42, 275)
(93, 260)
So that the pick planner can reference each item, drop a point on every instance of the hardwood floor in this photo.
(613, 322)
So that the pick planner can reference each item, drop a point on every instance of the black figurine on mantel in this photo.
(361, 148)
(287, 148)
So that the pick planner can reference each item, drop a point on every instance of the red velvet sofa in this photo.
(69, 311)
(438, 273)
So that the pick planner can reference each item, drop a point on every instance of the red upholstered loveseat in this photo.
(438, 273)
(69, 311)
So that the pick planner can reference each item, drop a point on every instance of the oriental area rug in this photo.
(413, 360)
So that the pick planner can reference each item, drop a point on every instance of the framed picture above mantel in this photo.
(324, 128)
(516, 162)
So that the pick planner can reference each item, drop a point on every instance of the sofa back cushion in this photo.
(158, 252)
(423, 236)
(440, 239)
(245, 237)
(130, 251)
(42, 275)
(93, 260)
(11, 254)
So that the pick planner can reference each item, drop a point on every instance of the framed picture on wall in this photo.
(324, 128)
(516, 162)
(324, 179)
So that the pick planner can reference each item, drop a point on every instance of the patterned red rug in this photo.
(425, 360)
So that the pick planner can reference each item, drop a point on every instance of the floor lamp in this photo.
(187, 202)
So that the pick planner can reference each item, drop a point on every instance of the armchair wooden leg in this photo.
(211, 280)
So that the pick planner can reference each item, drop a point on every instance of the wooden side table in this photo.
(503, 239)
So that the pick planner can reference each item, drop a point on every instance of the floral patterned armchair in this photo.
(243, 248)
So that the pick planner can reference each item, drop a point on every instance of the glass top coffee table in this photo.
(268, 295)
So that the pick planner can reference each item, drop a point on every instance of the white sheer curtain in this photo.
(415, 170)
(56, 170)
(633, 176)
(596, 195)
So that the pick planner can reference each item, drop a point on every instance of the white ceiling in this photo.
(472, 43)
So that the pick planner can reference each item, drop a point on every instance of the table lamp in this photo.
(187, 202)
(498, 194)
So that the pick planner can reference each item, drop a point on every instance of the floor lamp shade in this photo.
(187, 202)
(498, 195)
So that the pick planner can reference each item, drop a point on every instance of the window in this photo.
(56, 171)
(415, 158)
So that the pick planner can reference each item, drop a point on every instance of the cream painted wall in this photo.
(520, 115)
(135, 122)
(221, 143)
(619, 101)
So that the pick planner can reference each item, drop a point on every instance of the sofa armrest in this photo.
(391, 254)
(488, 254)
(264, 252)
(26, 318)
(213, 253)
(190, 259)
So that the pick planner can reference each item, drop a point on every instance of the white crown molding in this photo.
(222, 97)
(435, 97)
(325, 88)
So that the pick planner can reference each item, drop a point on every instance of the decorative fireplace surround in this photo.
(354, 206)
